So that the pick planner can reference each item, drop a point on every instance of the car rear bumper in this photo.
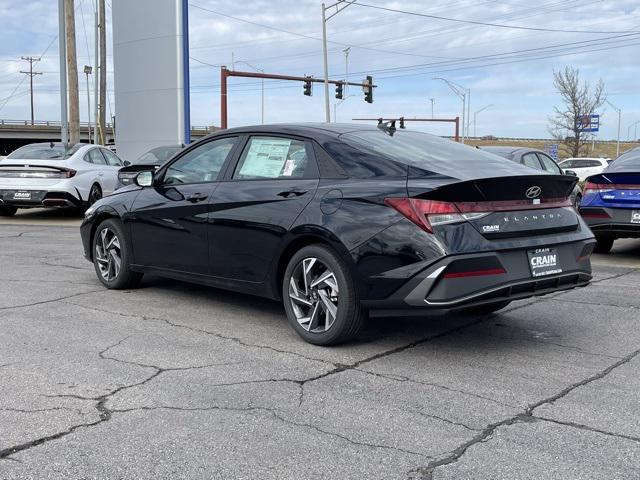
(612, 222)
(31, 198)
(463, 281)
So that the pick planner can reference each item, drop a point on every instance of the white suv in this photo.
(585, 167)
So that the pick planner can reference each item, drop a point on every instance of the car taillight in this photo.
(591, 187)
(426, 213)
(68, 174)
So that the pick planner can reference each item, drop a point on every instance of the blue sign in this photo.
(589, 123)
(552, 150)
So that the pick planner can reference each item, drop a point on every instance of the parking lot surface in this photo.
(179, 381)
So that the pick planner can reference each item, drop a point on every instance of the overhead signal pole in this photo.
(367, 85)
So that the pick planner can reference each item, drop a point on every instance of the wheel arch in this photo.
(104, 213)
(296, 241)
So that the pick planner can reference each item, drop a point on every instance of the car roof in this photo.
(304, 129)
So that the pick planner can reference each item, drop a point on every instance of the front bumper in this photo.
(32, 198)
(509, 278)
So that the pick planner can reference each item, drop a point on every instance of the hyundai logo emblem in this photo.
(533, 192)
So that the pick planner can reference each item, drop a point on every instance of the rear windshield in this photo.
(43, 152)
(414, 148)
(625, 164)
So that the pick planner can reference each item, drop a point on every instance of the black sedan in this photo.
(537, 159)
(343, 221)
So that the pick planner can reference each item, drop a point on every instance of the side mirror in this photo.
(127, 163)
(144, 179)
(570, 172)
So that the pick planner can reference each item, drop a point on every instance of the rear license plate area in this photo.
(21, 195)
(543, 262)
(635, 216)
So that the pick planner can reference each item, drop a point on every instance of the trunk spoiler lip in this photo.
(28, 167)
(429, 187)
(606, 177)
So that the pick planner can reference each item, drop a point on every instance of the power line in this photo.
(486, 24)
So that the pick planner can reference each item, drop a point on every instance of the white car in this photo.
(585, 167)
(48, 175)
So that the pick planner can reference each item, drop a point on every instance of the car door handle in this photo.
(292, 193)
(196, 197)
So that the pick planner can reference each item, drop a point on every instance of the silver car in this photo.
(52, 175)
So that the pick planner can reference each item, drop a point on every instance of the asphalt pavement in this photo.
(173, 380)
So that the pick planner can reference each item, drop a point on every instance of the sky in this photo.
(508, 69)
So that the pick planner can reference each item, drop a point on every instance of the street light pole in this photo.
(619, 110)
(634, 124)
(233, 62)
(339, 5)
(462, 93)
(475, 114)
(87, 72)
(327, 115)
(432, 102)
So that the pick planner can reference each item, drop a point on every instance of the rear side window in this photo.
(94, 156)
(271, 158)
(592, 163)
(531, 160)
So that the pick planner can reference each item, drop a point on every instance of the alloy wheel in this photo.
(313, 293)
(108, 254)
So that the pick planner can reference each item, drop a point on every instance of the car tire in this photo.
(8, 211)
(329, 312)
(486, 308)
(603, 244)
(95, 194)
(112, 258)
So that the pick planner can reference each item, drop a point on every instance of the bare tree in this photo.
(580, 100)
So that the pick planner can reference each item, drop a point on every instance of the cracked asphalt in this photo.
(179, 381)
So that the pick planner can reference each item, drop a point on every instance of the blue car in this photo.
(611, 201)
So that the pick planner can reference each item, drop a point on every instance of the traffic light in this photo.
(368, 89)
(339, 92)
(307, 87)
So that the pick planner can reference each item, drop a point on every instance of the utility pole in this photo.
(433, 100)
(339, 6)
(62, 46)
(346, 84)
(72, 73)
(31, 73)
(475, 114)
(87, 72)
(619, 110)
(103, 71)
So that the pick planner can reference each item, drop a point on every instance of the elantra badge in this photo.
(533, 192)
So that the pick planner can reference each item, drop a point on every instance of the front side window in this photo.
(202, 164)
(272, 157)
(112, 158)
(549, 165)
(530, 160)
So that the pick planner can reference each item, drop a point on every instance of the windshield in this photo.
(43, 151)
(158, 155)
